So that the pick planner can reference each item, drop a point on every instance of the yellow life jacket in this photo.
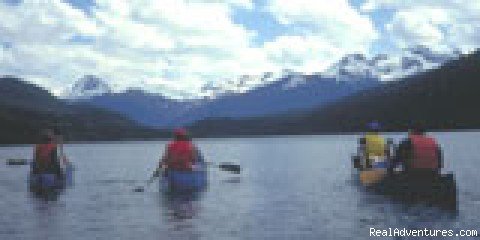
(375, 145)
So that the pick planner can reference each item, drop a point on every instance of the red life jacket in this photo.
(181, 155)
(44, 152)
(425, 154)
(43, 156)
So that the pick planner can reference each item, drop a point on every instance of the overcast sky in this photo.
(176, 46)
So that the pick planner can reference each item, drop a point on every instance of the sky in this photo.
(174, 47)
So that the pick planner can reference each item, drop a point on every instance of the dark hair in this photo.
(56, 131)
(374, 126)
(182, 137)
(46, 135)
(418, 130)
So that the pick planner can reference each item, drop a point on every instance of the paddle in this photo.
(228, 167)
(155, 174)
(18, 161)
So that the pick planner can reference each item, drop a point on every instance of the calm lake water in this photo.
(290, 188)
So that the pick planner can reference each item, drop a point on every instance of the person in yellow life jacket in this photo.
(420, 154)
(45, 154)
(180, 154)
(372, 145)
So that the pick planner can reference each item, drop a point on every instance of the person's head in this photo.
(47, 135)
(56, 131)
(374, 126)
(181, 134)
(418, 131)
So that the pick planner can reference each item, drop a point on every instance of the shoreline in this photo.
(239, 136)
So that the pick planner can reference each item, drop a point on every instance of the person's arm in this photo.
(401, 154)
(61, 153)
(198, 155)
(162, 163)
(440, 158)
(34, 159)
(407, 155)
(34, 153)
(362, 141)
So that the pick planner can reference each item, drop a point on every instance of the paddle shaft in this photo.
(228, 167)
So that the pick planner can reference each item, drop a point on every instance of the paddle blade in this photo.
(230, 167)
(17, 161)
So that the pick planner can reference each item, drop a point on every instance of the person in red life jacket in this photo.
(180, 154)
(45, 154)
(420, 154)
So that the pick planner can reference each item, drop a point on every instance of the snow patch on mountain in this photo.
(352, 67)
(87, 87)
(384, 67)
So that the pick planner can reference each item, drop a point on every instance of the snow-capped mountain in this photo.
(238, 85)
(356, 66)
(385, 67)
(265, 94)
(87, 87)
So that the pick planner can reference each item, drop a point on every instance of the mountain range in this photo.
(435, 91)
(439, 99)
(27, 108)
(266, 94)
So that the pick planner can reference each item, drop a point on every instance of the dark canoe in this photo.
(175, 180)
(440, 190)
(47, 181)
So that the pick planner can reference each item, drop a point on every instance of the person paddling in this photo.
(180, 154)
(45, 156)
(372, 146)
(420, 154)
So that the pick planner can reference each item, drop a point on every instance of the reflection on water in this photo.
(181, 206)
(232, 180)
(46, 194)
(289, 188)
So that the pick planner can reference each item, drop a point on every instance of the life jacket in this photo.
(374, 145)
(44, 156)
(181, 155)
(425, 152)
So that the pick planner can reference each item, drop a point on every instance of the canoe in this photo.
(49, 181)
(438, 190)
(176, 180)
(369, 177)
(372, 175)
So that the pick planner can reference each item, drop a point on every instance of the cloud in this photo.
(302, 53)
(321, 33)
(34, 22)
(176, 46)
(438, 24)
(334, 21)
(171, 46)
(131, 42)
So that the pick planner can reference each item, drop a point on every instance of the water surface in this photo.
(290, 188)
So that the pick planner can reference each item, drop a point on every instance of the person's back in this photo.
(373, 145)
(421, 155)
(180, 154)
(426, 155)
(45, 155)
